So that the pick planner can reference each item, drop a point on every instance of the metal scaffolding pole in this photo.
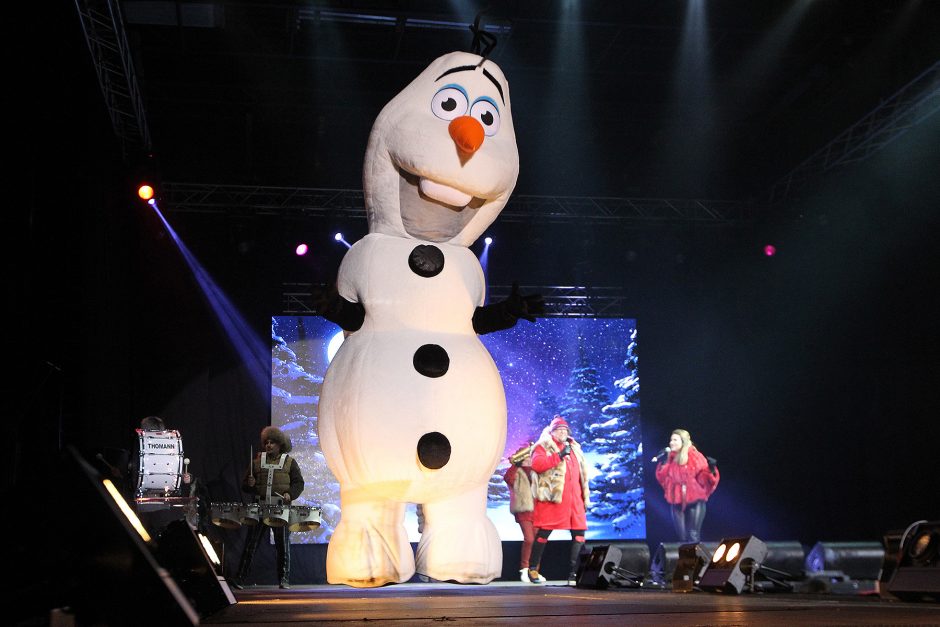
(561, 301)
(300, 202)
(911, 105)
(103, 27)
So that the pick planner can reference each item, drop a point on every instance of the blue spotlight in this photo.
(339, 238)
(485, 255)
(488, 241)
(254, 352)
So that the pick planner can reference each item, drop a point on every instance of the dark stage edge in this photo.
(553, 603)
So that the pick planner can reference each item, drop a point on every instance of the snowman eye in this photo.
(449, 102)
(486, 111)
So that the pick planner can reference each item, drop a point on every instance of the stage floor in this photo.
(554, 603)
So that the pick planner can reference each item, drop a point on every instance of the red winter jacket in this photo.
(689, 483)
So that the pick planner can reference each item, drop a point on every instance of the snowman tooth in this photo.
(443, 193)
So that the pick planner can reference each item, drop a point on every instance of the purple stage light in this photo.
(770, 250)
(301, 250)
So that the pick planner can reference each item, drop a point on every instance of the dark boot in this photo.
(282, 544)
(248, 554)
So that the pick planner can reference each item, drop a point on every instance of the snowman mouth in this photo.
(443, 193)
(434, 211)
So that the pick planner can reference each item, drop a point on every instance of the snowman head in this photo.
(442, 157)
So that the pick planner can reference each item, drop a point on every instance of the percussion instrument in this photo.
(304, 518)
(275, 515)
(226, 515)
(161, 462)
(250, 514)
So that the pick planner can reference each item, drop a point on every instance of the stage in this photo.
(555, 603)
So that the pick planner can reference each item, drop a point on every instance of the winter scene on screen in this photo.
(585, 369)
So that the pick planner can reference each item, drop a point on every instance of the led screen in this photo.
(584, 369)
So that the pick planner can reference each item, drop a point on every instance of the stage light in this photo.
(145, 192)
(770, 250)
(488, 241)
(719, 553)
(339, 238)
(301, 250)
(917, 576)
(735, 563)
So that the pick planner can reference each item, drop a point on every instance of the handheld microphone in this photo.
(662, 454)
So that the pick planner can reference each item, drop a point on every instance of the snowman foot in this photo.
(363, 555)
(464, 552)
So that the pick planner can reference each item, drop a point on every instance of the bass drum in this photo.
(304, 518)
(160, 470)
(226, 515)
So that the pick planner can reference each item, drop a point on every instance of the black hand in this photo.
(328, 303)
(526, 307)
(565, 451)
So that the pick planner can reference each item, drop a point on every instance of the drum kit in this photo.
(294, 517)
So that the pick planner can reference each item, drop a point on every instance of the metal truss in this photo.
(103, 26)
(299, 202)
(561, 301)
(910, 106)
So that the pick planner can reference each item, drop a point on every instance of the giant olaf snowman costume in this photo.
(412, 408)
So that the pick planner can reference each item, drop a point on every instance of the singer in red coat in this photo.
(561, 493)
(688, 478)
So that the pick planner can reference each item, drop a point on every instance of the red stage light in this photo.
(145, 192)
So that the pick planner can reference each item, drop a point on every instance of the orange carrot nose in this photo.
(467, 133)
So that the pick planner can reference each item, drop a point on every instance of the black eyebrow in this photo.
(470, 68)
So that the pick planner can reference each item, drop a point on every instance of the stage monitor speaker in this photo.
(892, 550)
(665, 558)
(181, 552)
(623, 564)
(917, 577)
(595, 572)
(690, 565)
(734, 563)
(109, 574)
(857, 560)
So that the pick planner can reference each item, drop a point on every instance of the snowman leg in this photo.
(369, 547)
(460, 542)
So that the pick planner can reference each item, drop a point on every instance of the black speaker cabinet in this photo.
(180, 551)
(917, 577)
(108, 574)
(598, 571)
(693, 558)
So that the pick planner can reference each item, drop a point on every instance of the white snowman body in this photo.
(412, 408)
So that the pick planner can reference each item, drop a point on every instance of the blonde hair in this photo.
(682, 457)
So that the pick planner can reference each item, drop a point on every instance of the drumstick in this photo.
(251, 461)
(185, 465)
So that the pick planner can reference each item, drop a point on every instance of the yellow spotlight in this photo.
(733, 551)
(126, 510)
(719, 552)
(145, 192)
